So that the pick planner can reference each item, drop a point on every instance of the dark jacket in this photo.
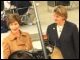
(68, 41)
(23, 5)
(2, 5)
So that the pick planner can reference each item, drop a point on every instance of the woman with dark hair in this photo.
(16, 40)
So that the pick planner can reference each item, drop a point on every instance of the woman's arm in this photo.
(76, 41)
(29, 43)
(6, 49)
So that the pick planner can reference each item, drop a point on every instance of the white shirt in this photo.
(59, 30)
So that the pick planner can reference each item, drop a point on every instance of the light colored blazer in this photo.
(11, 44)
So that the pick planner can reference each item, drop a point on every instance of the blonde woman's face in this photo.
(57, 18)
(14, 27)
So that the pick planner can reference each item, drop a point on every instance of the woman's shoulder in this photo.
(51, 25)
(71, 24)
(6, 37)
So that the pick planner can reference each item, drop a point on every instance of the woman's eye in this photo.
(15, 24)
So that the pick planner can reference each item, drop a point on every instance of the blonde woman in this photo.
(63, 35)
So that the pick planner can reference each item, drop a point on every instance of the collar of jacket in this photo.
(12, 37)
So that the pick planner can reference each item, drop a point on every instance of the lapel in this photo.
(54, 28)
(20, 41)
(64, 31)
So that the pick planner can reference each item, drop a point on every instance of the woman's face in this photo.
(57, 18)
(14, 27)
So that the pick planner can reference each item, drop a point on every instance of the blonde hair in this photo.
(61, 10)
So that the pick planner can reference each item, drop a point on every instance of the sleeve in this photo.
(49, 36)
(6, 49)
(76, 41)
(48, 33)
(29, 43)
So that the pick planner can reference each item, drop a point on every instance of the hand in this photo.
(45, 37)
